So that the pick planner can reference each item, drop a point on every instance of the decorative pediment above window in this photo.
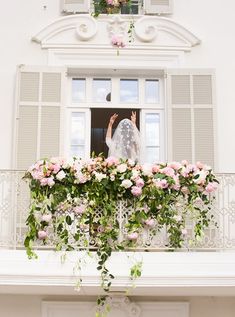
(84, 31)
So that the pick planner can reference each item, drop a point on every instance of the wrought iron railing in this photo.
(15, 200)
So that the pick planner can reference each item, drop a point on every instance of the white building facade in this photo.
(176, 71)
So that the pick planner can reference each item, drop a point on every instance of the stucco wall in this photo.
(212, 21)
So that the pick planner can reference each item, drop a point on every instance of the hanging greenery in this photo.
(66, 194)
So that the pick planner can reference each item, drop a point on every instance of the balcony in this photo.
(203, 269)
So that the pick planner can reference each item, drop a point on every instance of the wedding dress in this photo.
(125, 142)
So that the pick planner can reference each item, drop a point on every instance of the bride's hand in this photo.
(113, 118)
(133, 117)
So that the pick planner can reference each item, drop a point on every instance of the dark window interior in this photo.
(99, 124)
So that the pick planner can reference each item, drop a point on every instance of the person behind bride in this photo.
(125, 142)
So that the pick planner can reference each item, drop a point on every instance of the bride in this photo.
(125, 142)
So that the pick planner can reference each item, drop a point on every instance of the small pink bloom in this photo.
(185, 190)
(200, 165)
(155, 168)
(168, 171)
(43, 181)
(110, 2)
(132, 236)
(46, 218)
(150, 222)
(136, 191)
(50, 181)
(184, 231)
(139, 182)
(117, 40)
(175, 165)
(79, 209)
(161, 183)
(42, 234)
(211, 187)
(111, 161)
(184, 162)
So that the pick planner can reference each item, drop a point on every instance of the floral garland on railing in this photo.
(65, 193)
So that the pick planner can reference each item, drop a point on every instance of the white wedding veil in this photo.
(125, 142)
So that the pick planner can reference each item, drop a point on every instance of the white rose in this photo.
(122, 168)
(126, 183)
(147, 170)
(61, 175)
(100, 176)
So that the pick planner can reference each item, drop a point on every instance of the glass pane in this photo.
(129, 90)
(101, 90)
(78, 90)
(151, 91)
(152, 155)
(77, 134)
(126, 8)
(152, 129)
(78, 151)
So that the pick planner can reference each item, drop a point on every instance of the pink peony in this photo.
(117, 40)
(109, 2)
(211, 187)
(111, 161)
(42, 234)
(155, 168)
(139, 182)
(168, 171)
(132, 236)
(136, 191)
(175, 165)
(161, 183)
(46, 217)
(79, 209)
(150, 223)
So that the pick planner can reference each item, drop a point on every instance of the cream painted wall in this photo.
(212, 21)
(30, 306)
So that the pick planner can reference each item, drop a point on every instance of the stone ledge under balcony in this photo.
(164, 273)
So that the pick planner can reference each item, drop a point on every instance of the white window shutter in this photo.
(38, 115)
(75, 6)
(191, 112)
(158, 7)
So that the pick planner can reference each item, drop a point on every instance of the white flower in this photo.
(147, 170)
(126, 183)
(177, 218)
(135, 174)
(122, 168)
(201, 177)
(100, 176)
(61, 175)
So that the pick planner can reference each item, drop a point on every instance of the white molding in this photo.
(180, 273)
(83, 31)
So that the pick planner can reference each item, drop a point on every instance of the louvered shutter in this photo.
(158, 6)
(191, 108)
(76, 6)
(38, 114)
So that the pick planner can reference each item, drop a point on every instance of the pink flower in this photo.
(185, 190)
(132, 236)
(117, 40)
(200, 165)
(161, 183)
(184, 162)
(136, 191)
(43, 181)
(79, 209)
(110, 2)
(211, 187)
(155, 168)
(184, 231)
(42, 234)
(175, 165)
(139, 182)
(50, 181)
(150, 222)
(46, 218)
(168, 171)
(111, 161)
